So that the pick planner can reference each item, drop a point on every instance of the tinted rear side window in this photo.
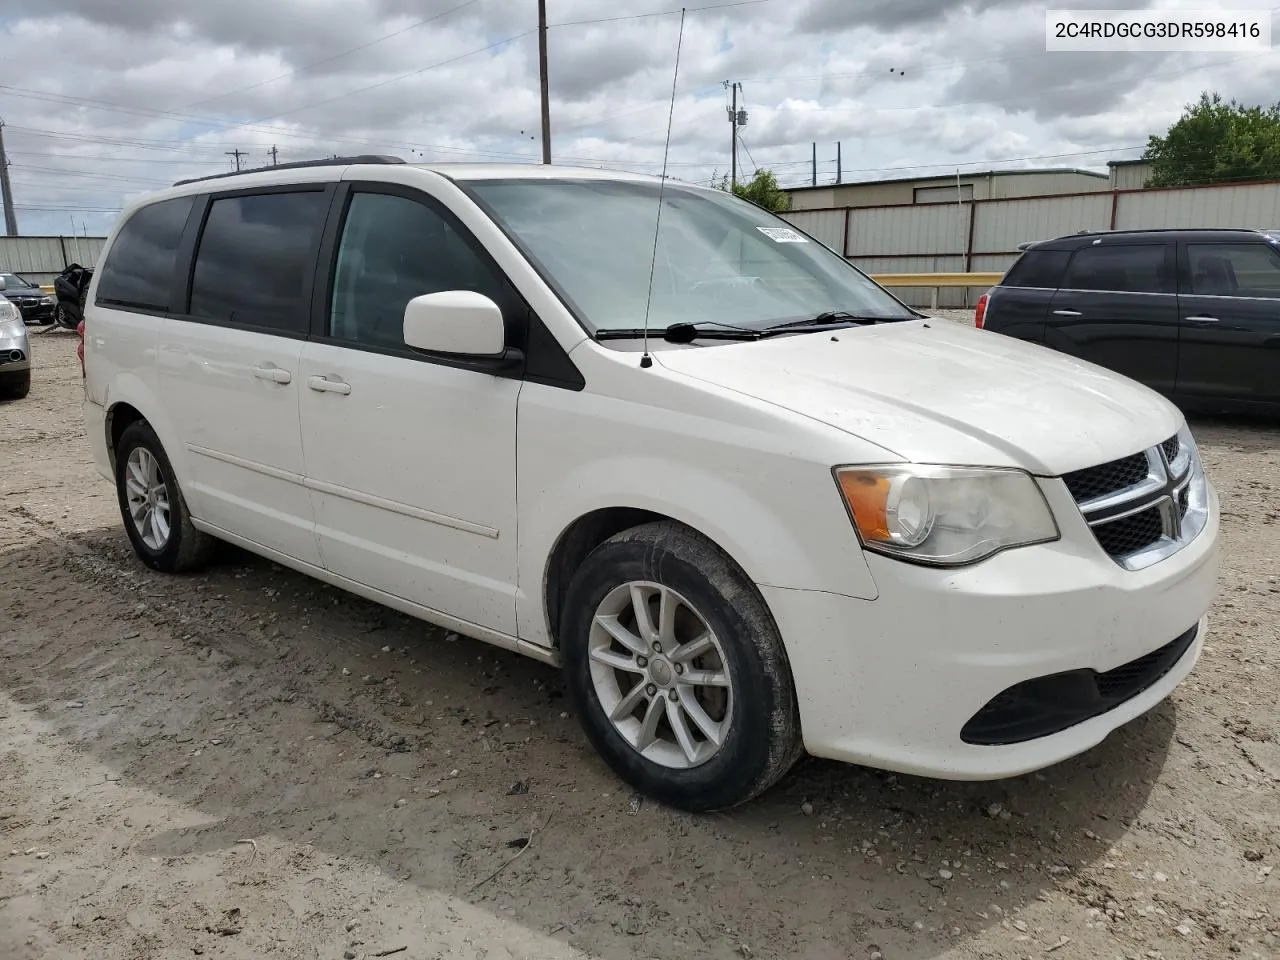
(255, 259)
(1039, 268)
(138, 271)
(1234, 269)
(1131, 268)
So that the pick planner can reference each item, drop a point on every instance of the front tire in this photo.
(676, 670)
(18, 388)
(152, 506)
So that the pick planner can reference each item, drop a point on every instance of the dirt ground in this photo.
(248, 764)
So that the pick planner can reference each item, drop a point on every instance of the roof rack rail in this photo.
(297, 164)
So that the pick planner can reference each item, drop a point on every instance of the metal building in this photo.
(952, 188)
(983, 234)
(1129, 174)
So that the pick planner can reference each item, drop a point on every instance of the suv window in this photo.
(255, 256)
(392, 250)
(1234, 269)
(1038, 268)
(1130, 268)
(138, 271)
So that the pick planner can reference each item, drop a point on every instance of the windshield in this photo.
(720, 260)
(12, 280)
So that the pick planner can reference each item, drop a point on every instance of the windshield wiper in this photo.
(683, 332)
(830, 318)
(715, 330)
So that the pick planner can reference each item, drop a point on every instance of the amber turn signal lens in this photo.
(867, 495)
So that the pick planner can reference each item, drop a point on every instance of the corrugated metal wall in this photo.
(919, 229)
(939, 237)
(42, 258)
(999, 227)
(825, 226)
(1253, 205)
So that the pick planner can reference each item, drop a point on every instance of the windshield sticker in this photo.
(782, 235)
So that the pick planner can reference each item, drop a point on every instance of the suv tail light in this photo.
(980, 312)
(80, 347)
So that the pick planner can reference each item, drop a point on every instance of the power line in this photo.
(659, 13)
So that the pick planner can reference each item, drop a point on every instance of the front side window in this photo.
(720, 260)
(255, 256)
(1234, 269)
(392, 250)
(138, 271)
(1127, 268)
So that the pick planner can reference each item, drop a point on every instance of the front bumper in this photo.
(33, 311)
(15, 357)
(892, 682)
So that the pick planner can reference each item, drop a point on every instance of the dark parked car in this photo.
(1194, 314)
(34, 304)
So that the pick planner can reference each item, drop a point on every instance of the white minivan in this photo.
(750, 503)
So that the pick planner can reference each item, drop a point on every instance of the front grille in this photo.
(1048, 705)
(1136, 502)
(1094, 482)
(1130, 534)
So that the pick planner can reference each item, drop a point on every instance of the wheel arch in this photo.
(130, 400)
(589, 531)
(120, 416)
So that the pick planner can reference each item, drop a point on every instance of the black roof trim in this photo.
(1070, 241)
(296, 165)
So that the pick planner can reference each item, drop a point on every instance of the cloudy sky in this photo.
(106, 99)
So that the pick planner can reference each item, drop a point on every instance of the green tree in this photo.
(1217, 142)
(762, 190)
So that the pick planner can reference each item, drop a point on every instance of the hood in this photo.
(937, 392)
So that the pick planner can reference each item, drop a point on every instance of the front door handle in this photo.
(273, 373)
(1066, 313)
(325, 385)
(1202, 319)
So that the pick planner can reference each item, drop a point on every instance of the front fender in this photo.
(789, 530)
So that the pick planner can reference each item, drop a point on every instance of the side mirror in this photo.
(458, 323)
(1, 284)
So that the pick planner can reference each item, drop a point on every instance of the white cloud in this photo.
(106, 98)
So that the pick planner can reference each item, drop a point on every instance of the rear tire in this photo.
(152, 507)
(677, 671)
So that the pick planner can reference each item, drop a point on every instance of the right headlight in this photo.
(8, 311)
(945, 516)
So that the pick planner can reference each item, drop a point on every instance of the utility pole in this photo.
(814, 181)
(10, 218)
(839, 164)
(237, 153)
(274, 153)
(737, 118)
(542, 81)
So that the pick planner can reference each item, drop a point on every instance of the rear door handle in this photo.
(1066, 313)
(325, 385)
(1202, 319)
(273, 373)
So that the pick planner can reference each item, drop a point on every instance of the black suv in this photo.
(1194, 314)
